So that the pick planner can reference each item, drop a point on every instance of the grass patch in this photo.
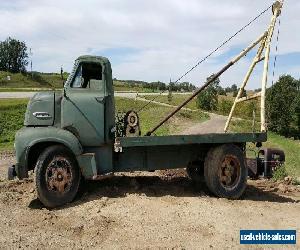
(291, 149)
(289, 146)
(279, 174)
(243, 126)
(176, 100)
(243, 110)
(28, 80)
(122, 87)
(12, 113)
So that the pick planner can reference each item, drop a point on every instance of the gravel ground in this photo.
(215, 124)
(163, 209)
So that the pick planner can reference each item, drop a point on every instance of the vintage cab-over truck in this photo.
(70, 134)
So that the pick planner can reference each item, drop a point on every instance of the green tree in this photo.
(208, 99)
(234, 90)
(224, 106)
(296, 108)
(221, 91)
(280, 104)
(13, 55)
(244, 93)
(257, 90)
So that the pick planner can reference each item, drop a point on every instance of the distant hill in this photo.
(31, 80)
(53, 80)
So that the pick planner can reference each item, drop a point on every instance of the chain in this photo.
(274, 67)
(276, 52)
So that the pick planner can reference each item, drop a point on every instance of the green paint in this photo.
(87, 164)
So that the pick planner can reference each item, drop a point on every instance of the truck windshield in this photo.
(88, 75)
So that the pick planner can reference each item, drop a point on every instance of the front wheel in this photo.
(225, 171)
(57, 176)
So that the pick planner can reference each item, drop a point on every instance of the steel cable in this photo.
(210, 54)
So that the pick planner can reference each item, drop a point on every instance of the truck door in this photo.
(83, 105)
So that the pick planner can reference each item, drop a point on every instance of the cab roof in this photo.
(90, 58)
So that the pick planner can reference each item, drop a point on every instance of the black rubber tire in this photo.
(49, 198)
(195, 172)
(213, 162)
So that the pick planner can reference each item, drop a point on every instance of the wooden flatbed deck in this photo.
(191, 139)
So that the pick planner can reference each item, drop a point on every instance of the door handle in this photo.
(100, 99)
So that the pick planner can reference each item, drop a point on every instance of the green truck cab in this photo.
(70, 134)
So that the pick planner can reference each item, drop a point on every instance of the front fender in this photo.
(27, 137)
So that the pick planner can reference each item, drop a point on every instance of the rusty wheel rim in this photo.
(230, 172)
(59, 175)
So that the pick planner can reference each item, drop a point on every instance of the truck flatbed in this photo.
(213, 138)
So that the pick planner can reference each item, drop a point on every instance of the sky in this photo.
(152, 40)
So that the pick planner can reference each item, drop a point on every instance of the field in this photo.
(125, 86)
(243, 110)
(176, 100)
(11, 119)
(34, 80)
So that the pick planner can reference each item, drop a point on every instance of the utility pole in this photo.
(170, 92)
(30, 54)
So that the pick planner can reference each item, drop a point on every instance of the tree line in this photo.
(160, 86)
(181, 86)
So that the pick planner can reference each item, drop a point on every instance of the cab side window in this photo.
(88, 76)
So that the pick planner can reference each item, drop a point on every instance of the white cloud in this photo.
(168, 36)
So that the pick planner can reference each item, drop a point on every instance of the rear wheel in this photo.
(57, 176)
(225, 171)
